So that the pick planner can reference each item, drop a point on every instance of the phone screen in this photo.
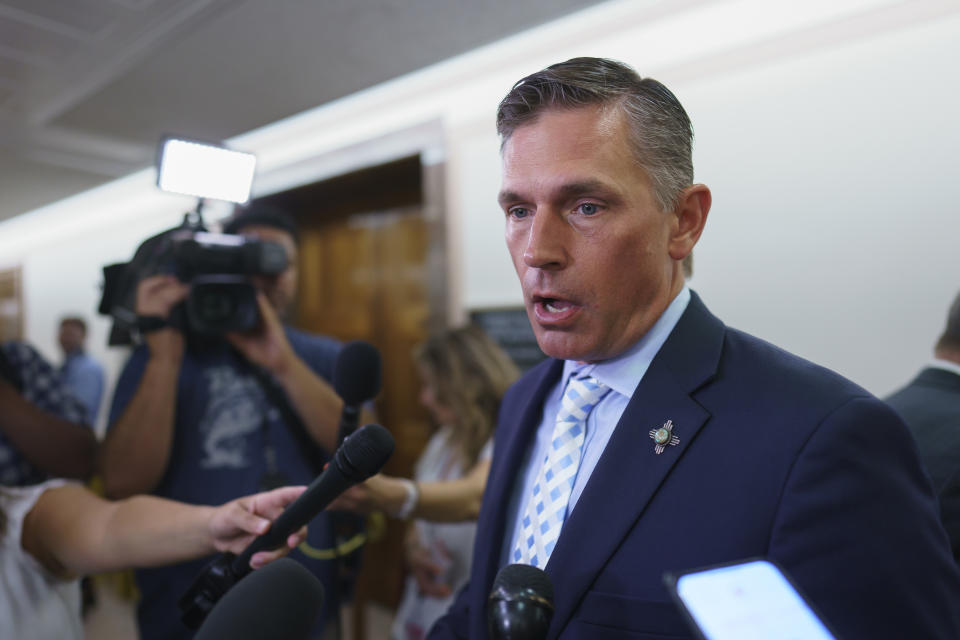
(746, 601)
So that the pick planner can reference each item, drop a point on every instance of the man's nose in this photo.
(546, 241)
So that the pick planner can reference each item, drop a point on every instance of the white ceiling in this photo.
(88, 87)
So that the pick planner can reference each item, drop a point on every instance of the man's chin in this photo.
(562, 345)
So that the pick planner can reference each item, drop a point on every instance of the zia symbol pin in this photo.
(663, 437)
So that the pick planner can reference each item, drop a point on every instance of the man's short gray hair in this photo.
(660, 130)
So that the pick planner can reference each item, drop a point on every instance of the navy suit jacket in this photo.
(777, 457)
(930, 405)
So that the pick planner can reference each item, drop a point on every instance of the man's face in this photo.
(280, 289)
(71, 337)
(588, 242)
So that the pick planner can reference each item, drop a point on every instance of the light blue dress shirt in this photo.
(83, 376)
(622, 374)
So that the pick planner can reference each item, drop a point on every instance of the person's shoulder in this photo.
(314, 342)
(318, 351)
(772, 375)
(90, 363)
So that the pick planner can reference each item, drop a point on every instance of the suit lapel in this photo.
(629, 471)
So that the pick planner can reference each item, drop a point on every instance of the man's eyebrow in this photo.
(505, 197)
(583, 187)
(569, 190)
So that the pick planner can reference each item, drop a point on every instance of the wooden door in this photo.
(363, 278)
(11, 304)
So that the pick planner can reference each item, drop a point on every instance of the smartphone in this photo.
(752, 599)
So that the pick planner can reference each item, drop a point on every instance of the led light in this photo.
(205, 170)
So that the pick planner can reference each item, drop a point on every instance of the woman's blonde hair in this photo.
(469, 373)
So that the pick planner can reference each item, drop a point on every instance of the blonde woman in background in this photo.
(464, 375)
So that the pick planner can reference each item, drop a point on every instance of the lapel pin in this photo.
(663, 437)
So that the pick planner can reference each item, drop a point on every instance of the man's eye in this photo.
(518, 212)
(588, 208)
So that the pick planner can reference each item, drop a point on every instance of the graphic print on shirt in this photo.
(234, 413)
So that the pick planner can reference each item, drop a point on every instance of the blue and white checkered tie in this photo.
(547, 507)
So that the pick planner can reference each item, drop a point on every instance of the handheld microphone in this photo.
(362, 455)
(356, 379)
(281, 601)
(520, 605)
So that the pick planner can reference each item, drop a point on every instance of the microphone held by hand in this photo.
(362, 455)
(520, 605)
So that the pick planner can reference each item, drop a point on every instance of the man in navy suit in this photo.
(930, 405)
(657, 439)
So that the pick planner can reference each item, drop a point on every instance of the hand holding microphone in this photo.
(362, 455)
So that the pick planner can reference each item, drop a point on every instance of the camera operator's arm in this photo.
(136, 450)
(55, 446)
(313, 398)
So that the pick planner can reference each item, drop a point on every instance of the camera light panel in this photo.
(205, 171)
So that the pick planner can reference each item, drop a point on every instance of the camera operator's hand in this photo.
(267, 344)
(156, 296)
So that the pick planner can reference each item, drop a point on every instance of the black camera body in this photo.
(218, 268)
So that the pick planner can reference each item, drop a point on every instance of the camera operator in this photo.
(192, 420)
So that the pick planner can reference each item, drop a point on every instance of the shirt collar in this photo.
(624, 372)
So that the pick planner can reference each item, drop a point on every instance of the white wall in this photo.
(823, 129)
(835, 230)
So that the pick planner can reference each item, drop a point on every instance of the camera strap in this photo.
(277, 398)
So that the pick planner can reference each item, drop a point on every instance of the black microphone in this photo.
(281, 601)
(520, 605)
(362, 455)
(356, 379)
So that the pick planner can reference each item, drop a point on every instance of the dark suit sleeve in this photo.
(857, 528)
(454, 623)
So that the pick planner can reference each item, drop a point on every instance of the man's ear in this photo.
(690, 216)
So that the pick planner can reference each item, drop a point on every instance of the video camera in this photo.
(217, 266)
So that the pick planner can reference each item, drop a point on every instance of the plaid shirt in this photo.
(42, 386)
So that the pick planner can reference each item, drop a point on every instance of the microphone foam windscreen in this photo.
(281, 601)
(356, 374)
(366, 451)
(515, 579)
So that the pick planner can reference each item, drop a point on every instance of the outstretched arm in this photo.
(447, 501)
(72, 531)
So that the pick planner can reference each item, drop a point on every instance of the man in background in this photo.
(82, 374)
(656, 439)
(930, 405)
(205, 419)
